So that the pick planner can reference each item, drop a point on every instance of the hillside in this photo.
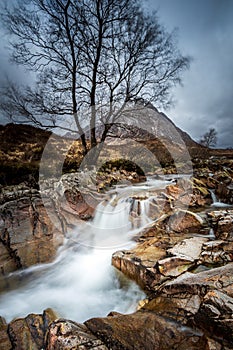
(22, 146)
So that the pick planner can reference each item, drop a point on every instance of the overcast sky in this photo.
(206, 33)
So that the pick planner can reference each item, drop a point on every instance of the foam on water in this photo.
(81, 283)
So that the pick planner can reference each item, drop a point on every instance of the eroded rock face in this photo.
(202, 300)
(172, 262)
(5, 343)
(27, 234)
(145, 330)
(27, 333)
(67, 335)
(163, 254)
(33, 223)
(215, 315)
(222, 223)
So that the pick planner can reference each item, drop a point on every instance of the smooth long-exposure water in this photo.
(81, 283)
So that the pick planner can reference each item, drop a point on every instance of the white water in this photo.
(216, 203)
(81, 283)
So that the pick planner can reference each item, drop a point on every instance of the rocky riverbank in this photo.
(34, 223)
(183, 261)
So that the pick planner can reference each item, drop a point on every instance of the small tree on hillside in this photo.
(209, 139)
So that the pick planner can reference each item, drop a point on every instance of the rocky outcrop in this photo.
(201, 300)
(183, 260)
(145, 330)
(36, 332)
(67, 335)
(27, 234)
(216, 174)
(187, 277)
(165, 250)
(27, 333)
(222, 223)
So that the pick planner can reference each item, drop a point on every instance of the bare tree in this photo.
(209, 139)
(87, 54)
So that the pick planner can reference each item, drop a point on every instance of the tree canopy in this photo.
(95, 55)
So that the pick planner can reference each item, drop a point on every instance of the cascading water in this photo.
(81, 283)
(216, 202)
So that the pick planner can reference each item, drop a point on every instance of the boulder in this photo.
(181, 221)
(215, 315)
(219, 278)
(156, 259)
(222, 223)
(144, 273)
(68, 335)
(30, 332)
(5, 343)
(145, 330)
(27, 234)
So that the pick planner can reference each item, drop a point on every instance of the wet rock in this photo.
(202, 300)
(142, 272)
(145, 330)
(156, 259)
(217, 252)
(180, 307)
(219, 278)
(78, 206)
(181, 221)
(27, 234)
(215, 315)
(67, 335)
(222, 223)
(225, 192)
(33, 224)
(190, 247)
(174, 266)
(189, 193)
(29, 332)
(5, 343)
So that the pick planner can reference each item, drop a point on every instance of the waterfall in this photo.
(215, 201)
(81, 283)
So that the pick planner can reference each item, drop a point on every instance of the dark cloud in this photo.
(206, 33)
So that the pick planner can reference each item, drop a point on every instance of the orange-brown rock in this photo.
(27, 234)
(68, 335)
(29, 333)
(5, 343)
(222, 223)
(145, 330)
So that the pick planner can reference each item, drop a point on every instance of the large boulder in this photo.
(27, 234)
(68, 335)
(202, 300)
(5, 343)
(27, 333)
(145, 330)
(222, 223)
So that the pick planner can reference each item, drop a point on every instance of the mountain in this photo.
(22, 145)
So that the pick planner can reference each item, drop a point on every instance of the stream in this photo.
(81, 283)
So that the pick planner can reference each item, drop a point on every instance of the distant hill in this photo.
(22, 146)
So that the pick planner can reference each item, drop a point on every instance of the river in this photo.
(81, 283)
